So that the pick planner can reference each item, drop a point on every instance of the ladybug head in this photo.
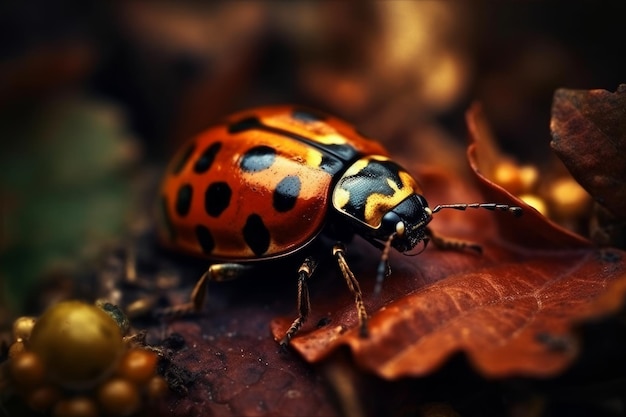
(404, 226)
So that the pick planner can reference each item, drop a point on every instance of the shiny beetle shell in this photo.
(260, 184)
(266, 182)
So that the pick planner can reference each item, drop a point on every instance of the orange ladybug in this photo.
(267, 182)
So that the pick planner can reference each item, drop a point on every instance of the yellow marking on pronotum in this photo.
(341, 197)
(377, 205)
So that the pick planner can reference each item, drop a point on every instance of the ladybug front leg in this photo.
(304, 304)
(217, 272)
(339, 252)
(446, 243)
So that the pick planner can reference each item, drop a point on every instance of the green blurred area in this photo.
(64, 188)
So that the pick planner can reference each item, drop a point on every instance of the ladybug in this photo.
(268, 182)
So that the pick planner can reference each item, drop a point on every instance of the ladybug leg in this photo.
(446, 243)
(216, 272)
(339, 253)
(304, 304)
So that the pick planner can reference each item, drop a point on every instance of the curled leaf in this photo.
(533, 231)
(589, 135)
(510, 311)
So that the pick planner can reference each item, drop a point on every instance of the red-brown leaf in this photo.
(510, 310)
(589, 135)
(236, 370)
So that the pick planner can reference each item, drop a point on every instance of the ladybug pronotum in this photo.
(268, 182)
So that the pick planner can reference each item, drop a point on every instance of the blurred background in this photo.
(96, 95)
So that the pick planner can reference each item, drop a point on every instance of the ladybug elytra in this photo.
(268, 182)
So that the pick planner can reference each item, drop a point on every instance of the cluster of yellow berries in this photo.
(561, 199)
(73, 361)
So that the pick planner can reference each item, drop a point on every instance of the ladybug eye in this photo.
(392, 223)
(428, 211)
(400, 228)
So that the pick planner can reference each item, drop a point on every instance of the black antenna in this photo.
(383, 266)
(514, 210)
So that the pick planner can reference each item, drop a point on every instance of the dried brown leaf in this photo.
(234, 369)
(589, 135)
(510, 311)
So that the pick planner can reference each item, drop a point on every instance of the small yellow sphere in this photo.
(43, 398)
(78, 343)
(75, 407)
(536, 202)
(138, 365)
(16, 349)
(507, 175)
(569, 199)
(119, 397)
(528, 175)
(156, 387)
(27, 370)
(22, 327)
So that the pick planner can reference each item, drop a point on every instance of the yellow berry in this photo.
(75, 407)
(156, 387)
(27, 370)
(43, 398)
(22, 327)
(79, 344)
(138, 365)
(514, 178)
(536, 202)
(119, 397)
(507, 175)
(528, 175)
(16, 349)
(568, 198)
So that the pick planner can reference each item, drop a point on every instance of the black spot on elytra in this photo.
(166, 220)
(182, 161)
(183, 199)
(256, 235)
(205, 239)
(370, 180)
(244, 124)
(217, 198)
(258, 158)
(206, 159)
(286, 193)
(308, 116)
